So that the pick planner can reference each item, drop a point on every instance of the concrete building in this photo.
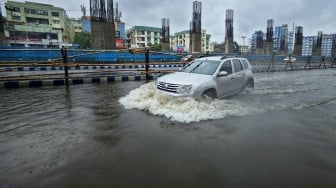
(37, 24)
(143, 36)
(180, 42)
(307, 45)
(283, 40)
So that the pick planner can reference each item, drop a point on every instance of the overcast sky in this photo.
(249, 15)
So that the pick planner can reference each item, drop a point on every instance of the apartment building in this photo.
(77, 24)
(37, 24)
(328, 45)
(144, 36)
(180, 42)
(308, 45)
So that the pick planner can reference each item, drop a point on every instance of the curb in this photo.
(72, 81)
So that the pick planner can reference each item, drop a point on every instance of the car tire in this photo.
(211, 93)
(250, 83)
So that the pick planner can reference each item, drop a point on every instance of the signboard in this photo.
(120, 43)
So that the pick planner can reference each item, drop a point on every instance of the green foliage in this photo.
(155, 47)
(83, 39)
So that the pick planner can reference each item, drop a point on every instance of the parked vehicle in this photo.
(208, 77)
(193, 56)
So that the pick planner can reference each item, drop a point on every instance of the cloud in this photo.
(249, 16)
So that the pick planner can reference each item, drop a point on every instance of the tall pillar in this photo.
(269, 37)
(196, 27)
(298, 40)
(229, 31)
(318, 44)
(102, 24)
(165, 34)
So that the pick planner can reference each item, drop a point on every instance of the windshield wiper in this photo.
(183, 68)
(196, 67)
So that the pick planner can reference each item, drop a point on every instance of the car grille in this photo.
(167, 87)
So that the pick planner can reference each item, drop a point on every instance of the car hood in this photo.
(184, 78)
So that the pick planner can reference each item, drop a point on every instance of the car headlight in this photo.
(184, 89)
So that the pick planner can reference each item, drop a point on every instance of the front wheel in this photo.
(211, 93)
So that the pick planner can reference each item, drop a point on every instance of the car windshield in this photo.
(207, 67)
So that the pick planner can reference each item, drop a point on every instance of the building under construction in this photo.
(229, 32)
(165, 34)
(269, 37)
(196, 27)
(102, 24)
(298, 40)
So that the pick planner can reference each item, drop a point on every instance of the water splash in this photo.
(182, 109)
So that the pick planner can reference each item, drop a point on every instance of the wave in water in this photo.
(183, 109)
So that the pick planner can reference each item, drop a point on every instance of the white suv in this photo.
(213, 77)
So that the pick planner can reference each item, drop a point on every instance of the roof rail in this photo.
(228, 56)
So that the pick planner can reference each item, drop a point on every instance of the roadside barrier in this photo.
(16, 84)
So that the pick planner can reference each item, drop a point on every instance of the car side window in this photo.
(237, 65)
(245, 64)
(227, 67)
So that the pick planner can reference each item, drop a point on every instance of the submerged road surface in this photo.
(280, 134)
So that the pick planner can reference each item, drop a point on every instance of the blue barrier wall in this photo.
(87, 56)
(81, 56)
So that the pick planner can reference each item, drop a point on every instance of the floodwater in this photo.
(280, 134)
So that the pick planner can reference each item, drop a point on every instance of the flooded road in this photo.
(280, 134)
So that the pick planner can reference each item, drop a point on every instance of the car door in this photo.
(225, 85)
(238, 75)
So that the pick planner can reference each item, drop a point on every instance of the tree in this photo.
(155, 47)
(83, 39)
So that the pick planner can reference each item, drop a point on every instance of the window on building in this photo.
(56, 22)
(37, 20)
(16, 9)
(37, 12)
(55, 14)
(16, 18)
(42, 12)
(30, 11)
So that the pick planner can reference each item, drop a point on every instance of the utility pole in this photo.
(147, 62)
(65, 64)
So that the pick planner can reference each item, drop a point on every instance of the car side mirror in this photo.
(222, 73)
